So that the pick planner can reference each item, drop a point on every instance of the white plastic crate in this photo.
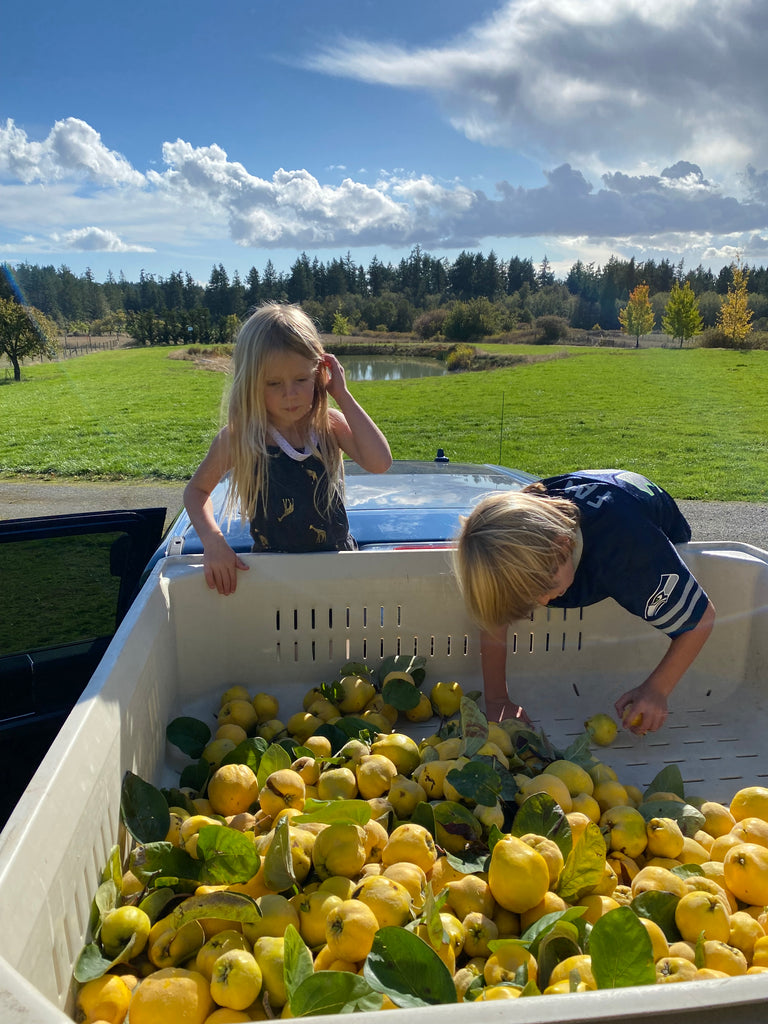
(294, 620)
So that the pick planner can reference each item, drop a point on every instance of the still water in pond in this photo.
(390, 368)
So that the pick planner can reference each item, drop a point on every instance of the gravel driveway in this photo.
(710, 520)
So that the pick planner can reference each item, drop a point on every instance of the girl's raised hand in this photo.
(335, 381)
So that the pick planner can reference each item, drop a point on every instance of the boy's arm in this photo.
(220, 562)
(649, 700)
(493, 658)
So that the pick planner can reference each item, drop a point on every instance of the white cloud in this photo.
(202, 196)
(72, 148)
(593, 83)
(293, 208)
(96, 240)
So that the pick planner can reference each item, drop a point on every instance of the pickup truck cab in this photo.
(69, 580)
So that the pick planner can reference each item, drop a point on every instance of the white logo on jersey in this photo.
(638, 481)
(662, 593)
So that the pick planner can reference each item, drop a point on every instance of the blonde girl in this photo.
(282, 446)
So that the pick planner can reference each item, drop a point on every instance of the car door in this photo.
(65, 584)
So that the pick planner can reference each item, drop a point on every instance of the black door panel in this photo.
(66, 583)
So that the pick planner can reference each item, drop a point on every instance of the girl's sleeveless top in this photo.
(293, 520)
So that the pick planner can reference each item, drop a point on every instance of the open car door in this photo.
(65, 584)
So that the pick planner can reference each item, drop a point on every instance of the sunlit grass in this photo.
(694, 420)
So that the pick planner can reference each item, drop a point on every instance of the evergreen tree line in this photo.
(472, 296)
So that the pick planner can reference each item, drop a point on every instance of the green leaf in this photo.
(424, 815)
(273, 759)
(155, 902)
(548, 923)
(355, 668)
(279, 873)
(527, 741)
(660, 907)
(105, 899)
(699, 956)
(114, 867)
(248, 752)
(669, 780)
(290, 746)
(471, 861)
(401, 694)
(144, 810)
(584, 866)
(475, 989)
(543, 816)
(474, 727)
(686, 870)
(413, 664)
(509, 787)
(188, 734)
(195, 776)
(330, 992)
(455, 821)
(689, 818)
(332, 691)
(430, 915)
(90, 964)
(579, 752)
(178, 798)
(621, 950)
(530, 989)
(354, 812)
(449, 728)
(152, 859)
(228, 855)
(408, 970)
(229, 906)
(334, 735)
(357, 728)
(476, 781)
(179, 886)
(297, 963)
(560, 942)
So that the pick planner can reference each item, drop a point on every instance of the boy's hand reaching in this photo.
(220, 566)
(499, 710)
(642, 710)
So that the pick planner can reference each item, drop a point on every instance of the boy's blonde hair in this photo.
(274, 328)
(509, 549)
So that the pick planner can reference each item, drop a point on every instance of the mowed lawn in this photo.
(695, 420)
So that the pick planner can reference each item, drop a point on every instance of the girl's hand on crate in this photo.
(221, 565)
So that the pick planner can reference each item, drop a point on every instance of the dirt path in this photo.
(22, 498)
(710, 520)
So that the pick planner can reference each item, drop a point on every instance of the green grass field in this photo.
(695, 420)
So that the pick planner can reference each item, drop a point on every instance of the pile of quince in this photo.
(331, 863)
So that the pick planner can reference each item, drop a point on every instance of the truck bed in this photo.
(294, 620)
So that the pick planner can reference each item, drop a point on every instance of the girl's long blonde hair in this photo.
(509, 548)
(274, 328)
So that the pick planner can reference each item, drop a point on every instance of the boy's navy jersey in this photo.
(629, 528)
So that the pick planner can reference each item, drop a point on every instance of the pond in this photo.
(390, 367)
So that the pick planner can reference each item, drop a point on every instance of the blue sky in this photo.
(162, 136)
